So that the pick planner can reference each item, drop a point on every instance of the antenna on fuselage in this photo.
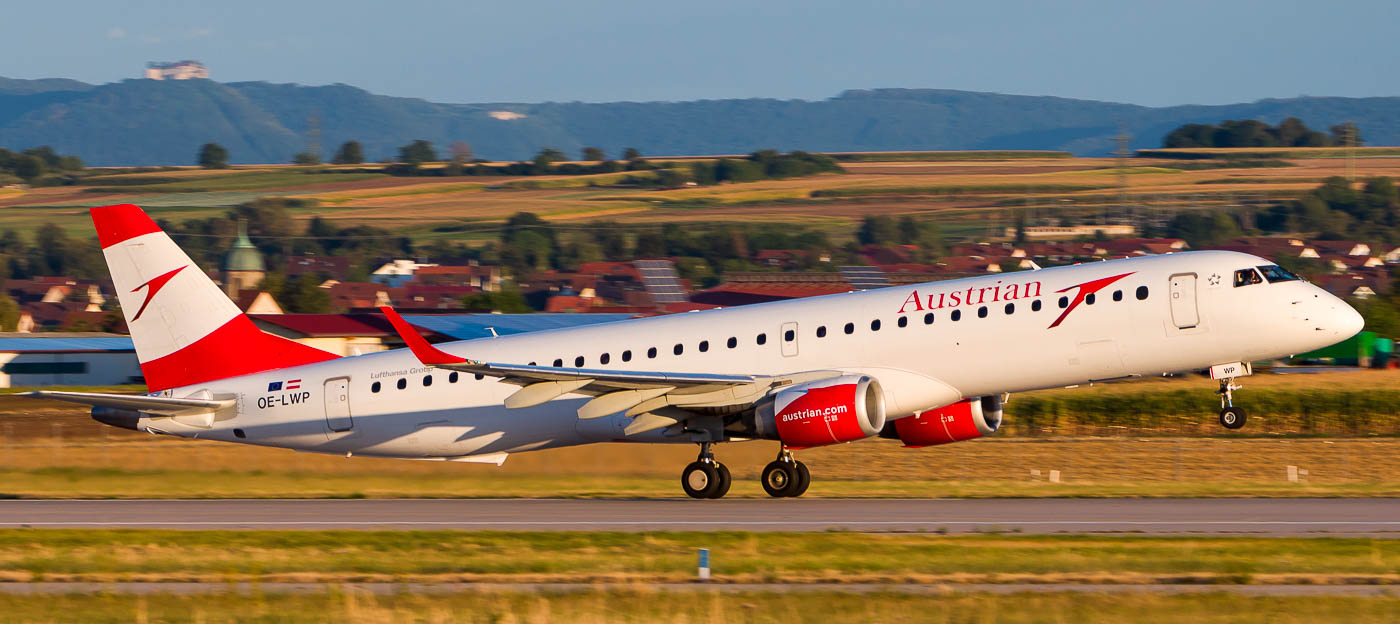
(493, 332)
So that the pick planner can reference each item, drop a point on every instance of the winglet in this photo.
(426, 353)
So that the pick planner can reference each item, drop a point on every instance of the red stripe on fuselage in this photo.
(236, 348)
(120, 223)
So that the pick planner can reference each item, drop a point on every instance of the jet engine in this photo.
(818, 413)
(964, 420)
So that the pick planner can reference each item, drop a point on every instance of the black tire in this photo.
(778, 478)
(1232, 417)
(804, 479)
(722, 482)
(699, 479)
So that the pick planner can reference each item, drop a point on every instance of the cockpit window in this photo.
(1245, 277)
(1275, 273)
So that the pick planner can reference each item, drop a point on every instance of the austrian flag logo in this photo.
(290, 384)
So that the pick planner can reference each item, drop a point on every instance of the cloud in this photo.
(116, 32)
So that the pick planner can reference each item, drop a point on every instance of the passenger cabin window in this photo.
(732, 342)
(850, 328)
(789, 335)
(704, 346)
(875, 325)
(1141, 293)
(1035, 306)
(1117, 295)
(427, 380)
(403, 383)
(651, 353)
(678, 349)
(761, 339)
(928, 318)
(558, 363)
(1064, 302)
(1247, 277)
(452, 377)
(578, 362)
(374, 387)
(821, 331)
(956, 315)
(982, 312)
(1010, 308)
(627, 356)
(604, 358)
(1090, 298)
(903, 321)
(1275, 273)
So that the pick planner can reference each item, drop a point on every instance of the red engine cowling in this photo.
(818, 413)
(964, 420)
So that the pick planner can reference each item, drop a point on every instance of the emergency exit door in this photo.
(337, 393)
(1182, 293)
(789, 338)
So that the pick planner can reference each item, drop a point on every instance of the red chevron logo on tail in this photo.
(152, 287)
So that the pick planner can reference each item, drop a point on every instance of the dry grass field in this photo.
(947, 188)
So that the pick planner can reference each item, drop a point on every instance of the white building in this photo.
(179, 70)
(67, 359)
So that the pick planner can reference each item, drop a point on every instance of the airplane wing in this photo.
(159, 406)
(641, 393)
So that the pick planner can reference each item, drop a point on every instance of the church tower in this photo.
(243, 264)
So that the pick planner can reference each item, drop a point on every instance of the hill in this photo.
(145, 122)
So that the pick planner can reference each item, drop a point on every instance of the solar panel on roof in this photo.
(865, 277)
(660, 281)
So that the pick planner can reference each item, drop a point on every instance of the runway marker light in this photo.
(704, 571)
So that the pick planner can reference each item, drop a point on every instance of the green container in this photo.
(1350, 352)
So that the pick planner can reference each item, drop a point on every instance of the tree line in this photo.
(36, 166)
(1290, 132)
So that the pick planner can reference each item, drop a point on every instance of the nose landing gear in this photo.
(1231, 417)
(785, 477)
(705, 477)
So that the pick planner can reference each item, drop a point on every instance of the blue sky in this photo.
(1153, 53)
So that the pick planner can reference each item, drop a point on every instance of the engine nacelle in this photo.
(964, 420)
(818, 413)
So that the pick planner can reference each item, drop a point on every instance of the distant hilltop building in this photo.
(179, 70)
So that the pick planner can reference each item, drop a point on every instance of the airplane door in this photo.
(789, 337)
(337, 393)
(1183, 300)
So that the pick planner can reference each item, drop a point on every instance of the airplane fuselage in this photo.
(928, 344)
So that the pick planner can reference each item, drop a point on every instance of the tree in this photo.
(593, 153)
(877, 230)
(548, 156)
(461, 152)
(350, 153)
(507, 300)
(213, 156)
(1347, 135)
(631, 153)
(418, 152)
(305, 296)
(28, 167)
(306, 158)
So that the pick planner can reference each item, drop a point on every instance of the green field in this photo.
(97, 555)
(346, 605)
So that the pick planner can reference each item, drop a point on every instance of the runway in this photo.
(1266, 517)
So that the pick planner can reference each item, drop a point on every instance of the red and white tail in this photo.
(185, 329)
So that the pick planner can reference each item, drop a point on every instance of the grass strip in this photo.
(736, 556)
(348, 605)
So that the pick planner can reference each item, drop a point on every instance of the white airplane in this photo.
(926, 364)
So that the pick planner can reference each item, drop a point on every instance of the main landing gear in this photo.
(705, 477)
(1231, 417)
(783, 477)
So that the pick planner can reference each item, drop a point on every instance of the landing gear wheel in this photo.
(1232, 417)
(804, 479)
(722, 482)
(700, 479)
(779, 478)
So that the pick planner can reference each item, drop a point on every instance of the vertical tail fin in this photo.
(185, 329)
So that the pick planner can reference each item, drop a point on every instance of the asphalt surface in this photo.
(1273, 517)
(138, 588)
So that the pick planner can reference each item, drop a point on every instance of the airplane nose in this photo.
(1347, 320)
